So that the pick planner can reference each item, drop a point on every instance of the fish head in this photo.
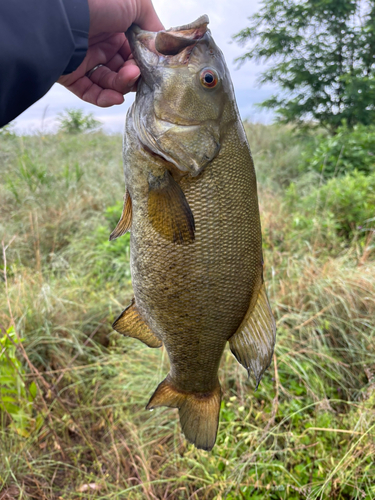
(183, 94)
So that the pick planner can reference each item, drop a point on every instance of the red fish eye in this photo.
(209, 78)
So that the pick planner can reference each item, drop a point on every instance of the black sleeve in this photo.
(39, 41)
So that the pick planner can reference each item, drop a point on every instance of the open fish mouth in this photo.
(175, 45)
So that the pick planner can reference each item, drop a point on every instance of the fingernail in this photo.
(132, 81)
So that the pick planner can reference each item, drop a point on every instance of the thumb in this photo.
(146, 18)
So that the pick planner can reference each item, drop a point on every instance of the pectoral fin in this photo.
(131, 324)
(125, 221)
(169, 211)
(254, 341)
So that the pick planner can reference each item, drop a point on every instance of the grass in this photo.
(309, 430)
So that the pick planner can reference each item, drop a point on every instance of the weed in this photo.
(15, 399)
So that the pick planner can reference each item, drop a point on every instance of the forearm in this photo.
(39, 41)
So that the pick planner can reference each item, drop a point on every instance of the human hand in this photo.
(109, 19)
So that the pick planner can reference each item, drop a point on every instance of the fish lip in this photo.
(142, 46)
(137, 36)
(194, 32)
(201, 21)
(194, 25)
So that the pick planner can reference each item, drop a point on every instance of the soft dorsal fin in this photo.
(131, 324)
(125, 221)
(254, 341)
(169, 211)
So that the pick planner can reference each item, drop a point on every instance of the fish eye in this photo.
(209, 78)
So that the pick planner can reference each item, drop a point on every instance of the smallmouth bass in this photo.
(192, 209)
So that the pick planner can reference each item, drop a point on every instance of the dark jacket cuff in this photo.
(78, 15)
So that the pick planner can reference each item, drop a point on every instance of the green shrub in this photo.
(344, 205)
(347, 151)
(75, 121)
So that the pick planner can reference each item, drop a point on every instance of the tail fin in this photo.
(199, 412)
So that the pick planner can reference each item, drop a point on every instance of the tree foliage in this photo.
(323, 54)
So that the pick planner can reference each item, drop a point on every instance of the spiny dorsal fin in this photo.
(199, 412)
(131, 324)
(125, 221)
(169, 211)
(254, 341)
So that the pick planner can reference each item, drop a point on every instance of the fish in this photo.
(192, 210)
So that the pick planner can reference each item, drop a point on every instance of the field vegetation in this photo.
(73, 391)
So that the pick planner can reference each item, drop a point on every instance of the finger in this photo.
(100, 52)
(123, 54)
(88, 91)
(102, 97)
(115, 63)
(120, 81)
(107, 98)
(128, 75)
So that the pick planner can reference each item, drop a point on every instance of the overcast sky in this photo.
(227, 17)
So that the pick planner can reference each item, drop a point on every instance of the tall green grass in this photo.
(309, 430)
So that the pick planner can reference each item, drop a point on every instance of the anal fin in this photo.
(169, 211)
(199, 412)
(125, 221)
(131, 324)
(254, 341)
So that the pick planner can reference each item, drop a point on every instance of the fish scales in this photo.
(201, 292)
(196, 252)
